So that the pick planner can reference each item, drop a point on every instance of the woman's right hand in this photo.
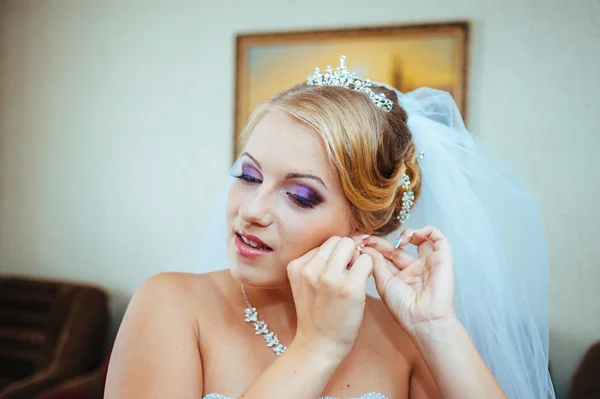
(330, 300)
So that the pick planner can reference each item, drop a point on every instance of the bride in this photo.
(315, 301)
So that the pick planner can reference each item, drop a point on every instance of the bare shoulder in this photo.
(402, 353)
(175, 284)
(184, 288)
(390, 331)
(156, 353)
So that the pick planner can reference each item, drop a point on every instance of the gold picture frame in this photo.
(406, 56)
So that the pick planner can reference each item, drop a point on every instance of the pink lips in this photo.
(246, 250)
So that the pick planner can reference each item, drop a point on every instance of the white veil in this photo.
(498, 243)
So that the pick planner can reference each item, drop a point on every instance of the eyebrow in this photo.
(290, 175)
(305, 176)
(252, 158)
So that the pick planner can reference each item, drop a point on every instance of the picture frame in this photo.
(404, 56)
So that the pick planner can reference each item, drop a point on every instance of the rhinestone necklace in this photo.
(260, 327)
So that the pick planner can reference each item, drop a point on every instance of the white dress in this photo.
(372, 395)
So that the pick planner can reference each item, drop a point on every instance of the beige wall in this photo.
(116, 115)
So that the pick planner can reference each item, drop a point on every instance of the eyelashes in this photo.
(247, 178)
(303, 202)
(306, 199)
(249, 175)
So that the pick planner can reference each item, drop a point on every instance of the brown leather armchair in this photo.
(50, 331)
(86, 386)
(586, 380)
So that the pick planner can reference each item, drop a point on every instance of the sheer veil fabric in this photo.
(493, 225)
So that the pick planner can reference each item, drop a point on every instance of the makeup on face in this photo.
(301, 195)
(305, 196)
(249, 246)
(250, 174)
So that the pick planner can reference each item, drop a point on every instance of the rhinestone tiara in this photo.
(343, 78)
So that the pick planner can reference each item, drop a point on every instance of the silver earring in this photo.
(408, 199)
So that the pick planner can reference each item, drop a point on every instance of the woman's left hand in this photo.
(418, 290)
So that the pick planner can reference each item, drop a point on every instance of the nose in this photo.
(257, 209)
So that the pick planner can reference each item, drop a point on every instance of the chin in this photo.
(257, 274)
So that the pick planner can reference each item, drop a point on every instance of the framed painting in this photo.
(407, 57)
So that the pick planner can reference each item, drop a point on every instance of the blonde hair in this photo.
(371, 149)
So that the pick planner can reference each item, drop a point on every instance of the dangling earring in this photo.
(408, 199)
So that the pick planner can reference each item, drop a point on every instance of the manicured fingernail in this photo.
(360, 237)
(397, 243)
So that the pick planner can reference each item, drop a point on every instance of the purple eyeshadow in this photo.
(250, 171)
(307, 193)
